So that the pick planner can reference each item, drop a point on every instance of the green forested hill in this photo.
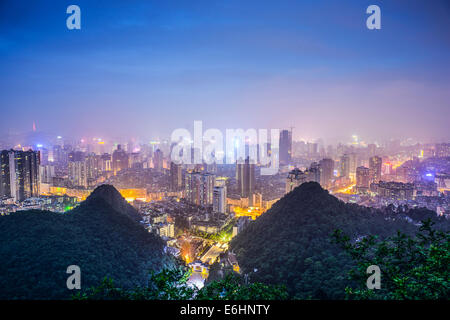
(101, 236)
(291, 244)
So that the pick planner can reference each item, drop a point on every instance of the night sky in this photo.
(145, 68)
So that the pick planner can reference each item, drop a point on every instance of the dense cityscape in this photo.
(224, 150)
(198, 209)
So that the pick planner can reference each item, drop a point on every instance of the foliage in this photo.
(291, 243)
(38, 246)
(171, 284)
(411, 268)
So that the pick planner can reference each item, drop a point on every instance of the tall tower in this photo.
(23, 168)
(375, 163)
(245, 174)
(119, 160)
(175, 177)
(326, 172)
(285, 147)
(158, 160)
(199, 188)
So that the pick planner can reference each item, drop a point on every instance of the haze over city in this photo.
(142, 71)
(226, 151)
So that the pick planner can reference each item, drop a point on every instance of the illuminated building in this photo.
(220, 199)
(46, 173)
(5, 189)
(313, 172)
(363, 179)
(199, 188)
(252, 212)
(119, 160)
(295, 178)
(442, 150)
(221, 182)
(19, 175)
(285, 147)
(257, 200)
(93, 166)
(443, 181)
(78, 175)
(245, 176)
(345, 166)
(134, 194)
(394, 190)
(167, 230)
(105, 162)
(350, 163)
(375, 164)
(60, 154)
(176, 177)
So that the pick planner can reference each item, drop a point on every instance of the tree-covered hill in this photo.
(101, 236)
(291, 244)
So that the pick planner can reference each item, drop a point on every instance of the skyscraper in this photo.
(326, 172)
(199, 188)
(78, 171)
(349, 163)
(158, 160)
(375, 163)
(5, 186)
(245, 176)
(345, 166)
(119, 159)
(175, 177)
(220, 199)
(19, 174)
(285, 147)
(362, 179)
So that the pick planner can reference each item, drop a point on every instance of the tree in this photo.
(411, 268)
(171, 284)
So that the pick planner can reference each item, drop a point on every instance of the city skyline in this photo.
(145, 70)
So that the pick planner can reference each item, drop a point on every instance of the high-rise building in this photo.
(375, 164)
(326, 172)
(22, 168)
(78, 169)
(46, 174)
(199, 188)
(345, 166)
(245, 176)
(314, 172)
(297, 177)
(93, 164)
(220, 199)
(105, 162)
(363, 178)
(119, 160)
(176, 181)
(313, 149)
(285, 147)
(158, 160)
(348, 165)
(5, 186)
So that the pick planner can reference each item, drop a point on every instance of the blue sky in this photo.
(145, 68)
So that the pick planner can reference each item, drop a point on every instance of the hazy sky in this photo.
(145, 68)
